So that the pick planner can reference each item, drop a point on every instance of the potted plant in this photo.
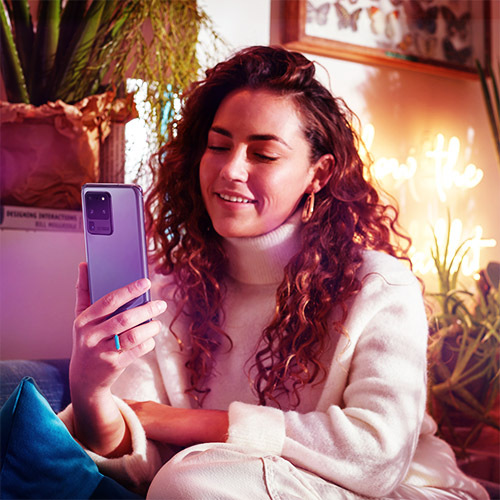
(464, 351)
(65, 68)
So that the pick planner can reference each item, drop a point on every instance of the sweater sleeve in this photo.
(136, 469)
(141, 381)
(374, 432)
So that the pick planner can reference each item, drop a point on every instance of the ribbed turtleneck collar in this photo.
(260, 260)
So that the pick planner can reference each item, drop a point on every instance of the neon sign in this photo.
(442, 160)
(438, 167)
(445, 164)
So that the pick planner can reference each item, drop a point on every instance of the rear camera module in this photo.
(98, 212)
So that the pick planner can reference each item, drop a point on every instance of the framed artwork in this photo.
(437, 36)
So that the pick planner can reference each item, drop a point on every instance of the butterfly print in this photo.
(426, 45)
(420, 18)
(452, 54)
(318, 15)
(377, 22)
(384, 23)
(392, 25)
(346, 19)
(456, 25)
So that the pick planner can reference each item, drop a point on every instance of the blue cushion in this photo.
(40, 458)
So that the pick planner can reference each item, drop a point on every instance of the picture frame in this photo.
(443, 37)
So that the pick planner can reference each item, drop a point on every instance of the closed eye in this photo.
(266, 157)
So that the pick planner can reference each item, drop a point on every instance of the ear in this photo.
(322, 173)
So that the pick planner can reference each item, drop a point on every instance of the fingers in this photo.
(82, 289)
(107, 305)
(136, 342)
(133, 317)
(114, 300)
(95, 322)
(92, 333)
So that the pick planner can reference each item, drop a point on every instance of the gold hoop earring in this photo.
(308, 208)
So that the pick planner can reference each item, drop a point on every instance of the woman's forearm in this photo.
(181, 426)
(198, 426)
(100, 426)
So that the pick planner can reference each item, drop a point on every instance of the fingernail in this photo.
(161, 306)
(143, 284)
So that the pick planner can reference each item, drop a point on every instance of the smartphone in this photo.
(115, 240)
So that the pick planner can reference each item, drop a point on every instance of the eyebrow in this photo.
(253, 137)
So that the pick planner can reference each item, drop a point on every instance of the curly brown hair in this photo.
(348, 218)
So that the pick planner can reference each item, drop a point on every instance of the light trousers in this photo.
(226, 472)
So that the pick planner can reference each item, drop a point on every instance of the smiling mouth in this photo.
(234, 199)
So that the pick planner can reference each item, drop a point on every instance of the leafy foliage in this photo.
(76, 48)
(464, 352)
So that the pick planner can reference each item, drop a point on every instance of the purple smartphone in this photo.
(115, 241)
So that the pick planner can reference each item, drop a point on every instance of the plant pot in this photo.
(48, 152)
(461, 409)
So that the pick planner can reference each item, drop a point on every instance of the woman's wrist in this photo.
(99, 424)
(213, 426)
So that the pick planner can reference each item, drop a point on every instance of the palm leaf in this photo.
(80, 54)
(71, 21)
(22, 25)
(10, 64)
(45, 48)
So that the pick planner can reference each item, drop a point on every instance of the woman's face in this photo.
(256, 166)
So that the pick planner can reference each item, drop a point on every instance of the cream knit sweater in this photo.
(364, 427)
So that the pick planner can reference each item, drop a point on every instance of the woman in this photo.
(291, 361)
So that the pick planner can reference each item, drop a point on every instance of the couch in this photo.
(51, 377)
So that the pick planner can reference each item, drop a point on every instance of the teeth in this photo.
(235, 199)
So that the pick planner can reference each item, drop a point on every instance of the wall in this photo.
(38, 270)
(407, 108)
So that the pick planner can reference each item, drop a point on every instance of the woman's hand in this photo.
(96, 363)
(181, 426)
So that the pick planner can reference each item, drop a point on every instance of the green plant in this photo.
(77, 48)
(464, 351)
(492, 102)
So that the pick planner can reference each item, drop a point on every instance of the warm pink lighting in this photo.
(434, 175)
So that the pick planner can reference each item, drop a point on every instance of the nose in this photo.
(235, 167)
